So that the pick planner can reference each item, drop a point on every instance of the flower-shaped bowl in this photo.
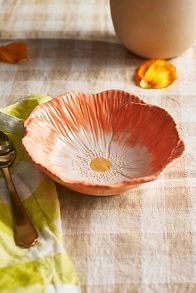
(101, 144)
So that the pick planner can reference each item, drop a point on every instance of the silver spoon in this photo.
(25, 234)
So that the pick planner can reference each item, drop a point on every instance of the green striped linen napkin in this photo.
(46, 266)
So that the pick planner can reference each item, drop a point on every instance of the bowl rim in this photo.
(128, 182)
(40, 106)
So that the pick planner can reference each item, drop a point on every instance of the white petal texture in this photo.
(102, 143)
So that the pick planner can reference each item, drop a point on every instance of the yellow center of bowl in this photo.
(100, 164)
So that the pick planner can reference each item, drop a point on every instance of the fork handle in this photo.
(25, 234)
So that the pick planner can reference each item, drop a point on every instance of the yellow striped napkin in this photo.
(46, 266)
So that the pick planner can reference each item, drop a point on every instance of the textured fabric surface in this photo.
(56, 19)
(46, 264)
(141, 241)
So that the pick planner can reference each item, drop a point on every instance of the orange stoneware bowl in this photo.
(101, 144)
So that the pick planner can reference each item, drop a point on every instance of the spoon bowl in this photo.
(24, 233)
(7, 158)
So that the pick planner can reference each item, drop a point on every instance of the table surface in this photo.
(143, 240)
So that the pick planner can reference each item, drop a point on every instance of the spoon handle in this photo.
(24, 232)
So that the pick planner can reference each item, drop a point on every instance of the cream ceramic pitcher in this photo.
(155, 28)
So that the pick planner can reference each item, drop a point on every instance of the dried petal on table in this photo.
(14, 53)
(155, 74)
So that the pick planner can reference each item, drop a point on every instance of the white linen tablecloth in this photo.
(141, 241)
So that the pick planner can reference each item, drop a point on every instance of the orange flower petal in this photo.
(155, 73)
(14, 53)
(101, 144)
